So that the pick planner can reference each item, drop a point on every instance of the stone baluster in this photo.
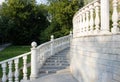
(16, 61)
(4, 77)
(115, 28)
(74, 25)
(87, 20)
(52, 45)
(77, 28)
(34, 68)
(10, 74)
(25, 68)
(97, 19)
(84, 29)
(91, 19)
(80, 24)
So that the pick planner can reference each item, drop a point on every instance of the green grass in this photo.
(13, 51)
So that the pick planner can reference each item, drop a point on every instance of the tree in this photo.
(26, 20)
(62, 12)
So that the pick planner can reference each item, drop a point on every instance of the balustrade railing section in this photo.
(11, 67)
(93, 19)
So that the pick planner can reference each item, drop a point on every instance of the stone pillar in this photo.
(70, 39)
(34, 70)
(52, 45)
(105, 17)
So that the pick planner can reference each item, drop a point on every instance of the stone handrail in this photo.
(13, 63)
(46, 50)
(93, 19)
(10, 67)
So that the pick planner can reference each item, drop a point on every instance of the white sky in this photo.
(38, 1)
(1, 1)
(42, 1)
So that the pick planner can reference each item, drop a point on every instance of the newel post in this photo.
(52, 45)
(34, 70)
(105, 17)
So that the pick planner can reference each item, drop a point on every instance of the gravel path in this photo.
(4, 46)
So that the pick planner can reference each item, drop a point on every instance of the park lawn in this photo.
(13, 51)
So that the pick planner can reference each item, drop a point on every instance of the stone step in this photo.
(50, 70)
(53, 67)
(59, 56)
(54, 61)
(48, 63)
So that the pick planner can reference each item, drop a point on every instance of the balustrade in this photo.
(86, 22)
(38, 57)
(94, 19)
(45, 50)
(12, 65)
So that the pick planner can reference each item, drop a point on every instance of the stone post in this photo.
(52, 45)
(71, 36)
(105, 17)
(34, 70)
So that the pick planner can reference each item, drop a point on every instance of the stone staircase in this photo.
(55, 63)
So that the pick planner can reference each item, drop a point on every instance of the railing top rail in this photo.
(50, 41)
(43, 44)
(85, 7)
(61, 37)
(25, 54)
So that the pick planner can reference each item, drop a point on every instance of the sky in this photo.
(42, 1)
(38, 1)
(1, 1)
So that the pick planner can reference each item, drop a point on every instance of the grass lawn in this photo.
(13, 51)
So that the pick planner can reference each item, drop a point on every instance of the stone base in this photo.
(105, 33)
(115, 30)
(25, 81)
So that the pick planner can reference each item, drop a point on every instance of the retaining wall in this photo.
(96, 58)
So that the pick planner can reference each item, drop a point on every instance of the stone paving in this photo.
(60, 77)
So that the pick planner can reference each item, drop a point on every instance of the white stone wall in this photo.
(96, 58)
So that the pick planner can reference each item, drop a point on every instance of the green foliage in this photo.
(61, 12)
(23, 21)
(87, 1)
(26, 20)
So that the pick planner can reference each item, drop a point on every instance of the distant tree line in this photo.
(24, 21)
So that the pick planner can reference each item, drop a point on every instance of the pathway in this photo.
(3, 46)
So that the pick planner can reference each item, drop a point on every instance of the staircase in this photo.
(47, 58)
(55, 63)
(51, 59)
